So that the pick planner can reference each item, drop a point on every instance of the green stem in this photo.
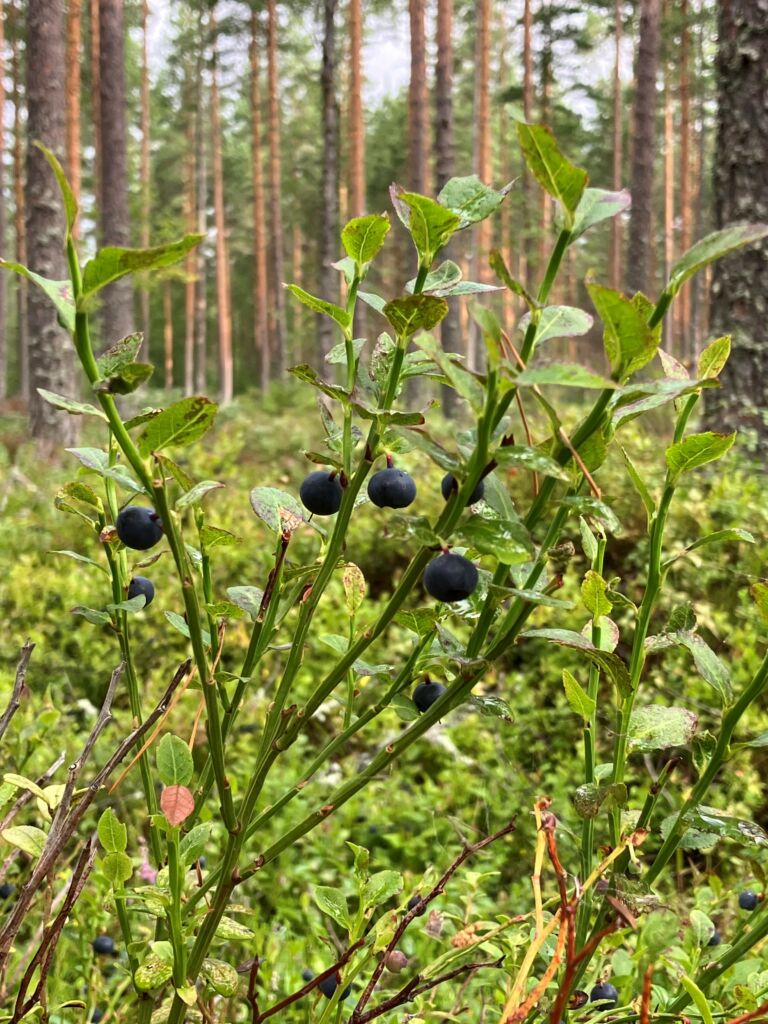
(563, 241)
(175, 883)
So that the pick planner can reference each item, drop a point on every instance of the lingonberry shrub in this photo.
(483, 560)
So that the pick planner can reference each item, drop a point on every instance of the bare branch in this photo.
(19, 686)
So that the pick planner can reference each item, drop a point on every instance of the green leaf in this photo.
(558, 322)
(153, 973)
(354, 587)
(123, 352)
(338, 354)
(118, 867)
(174, 761)
(306, 373)
(187, 994)
(531, 459)
(98, 461)
(759, 592)
(610, 663)
(70, 203)
(92, 615)
(589, 798)
(639, 398)
(698, 998)
(59, 292)
(80, 558)
(415, 313)
(470, 199)
(80, 491)
(588, 542)
(505, 539)
(332, 902)
(275, 507)
(501, 270)
(196, 494)
(362, 857)
(702, 927)
(697, 450)
(364, 236)
(70, 405)
(596, 509)
(437, 281)
(233, 930)
(430, 224)
(558, 176)
(639, 485)
(341, 316)
(581, 703)
(132, 605)
(597, 205)
(114, 262)
(382, 887)
(247, 598)
(565, 375)
(714, 357)
(374, 301)
(220, 976)
(720, 537)
(658, 728)
(181, 423)
(180, 625)
(707, 663)
(194, 843)
(593, 594)
(711, 248)
(27, 838)
(630, 343)
(113, 835)
(126, 380)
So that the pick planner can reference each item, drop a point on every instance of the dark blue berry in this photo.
(449, 484)
(104, 945)
(716, 938)
(329, 985)
(141, 586)
(748, 900)
(425, 695)
(391, 488)
(97, 1015)
(138, 527)
(450, 577)
(606, 995)
(321, 493)
(414, 901)
(199, 863)
(307, 975)
(7, 889)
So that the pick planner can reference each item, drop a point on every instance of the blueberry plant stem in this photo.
(176, 883)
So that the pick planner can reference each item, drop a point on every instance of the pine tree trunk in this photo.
(356, 124)
(144, 168)
(330, 219)
(505, 150)
(201, 190)
(618, 141)
(545, 105)
(72, 88)
(260, 290)
(19, 215)
(276, 258)
(699, 290)
(418, 102)
(669, 192)
(482, 159)
(450, 336)
(117, 308)
(684, 299)
(643, 150)
(95, 48)
(223, 302)
(189, 263)
(3, 326)
(51, 357)
(740, 283)
(168, 333)
(526, 247)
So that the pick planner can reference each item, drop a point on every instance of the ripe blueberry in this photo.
(716, 938)
(414, 901)
(329, 985)
(307, 975)
(391, 488)
(748, 900)
(321, 493)
(103, 945)
(606, 995)
(426, 693)
(450, 577)
(449, 484)
(140, 585)
(7, 889)
(97, 1014)
(139, 527)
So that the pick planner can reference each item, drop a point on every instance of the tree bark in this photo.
(168, 333)
(201, 189)
(72, 88)
(51, 354)
(95, 48)
(740, 283)
(482, 159)
(144, 168)
(3, 326)
(684, 299)
(223, 299)
(618, 141)
(190, 225)
(356, 123)
(277, 258)
(527, 238)
(19, 214)
(669, 192)
(117, 307)
(418, 102)
(330, 219)
(260, 289)
(644, 149)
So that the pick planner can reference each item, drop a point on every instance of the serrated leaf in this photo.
(70, 405)
(181, 423)
(221, 977)
(174, 761)
(118, 868)
(332, 902)
(580, 701)
(593, 594)
(196, 494)
(657, 727)
(558, 176)
(470, 199)
(382, 887)
(697, 450)
(363, 237)
(113, 262)
(415, 313)
(430, 224)
(153, 973)
(713, 247)
(27, 838)
(597, 205)
(113, 835)
(336, 313)
(630, 343)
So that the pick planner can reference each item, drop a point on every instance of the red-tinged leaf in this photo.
(176, 803)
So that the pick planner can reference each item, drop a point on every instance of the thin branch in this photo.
(19, 686)
(300, 993)
(645, 1003)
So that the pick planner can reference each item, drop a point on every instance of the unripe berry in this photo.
(321, 492)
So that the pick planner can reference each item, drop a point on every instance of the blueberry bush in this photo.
(281, 668)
